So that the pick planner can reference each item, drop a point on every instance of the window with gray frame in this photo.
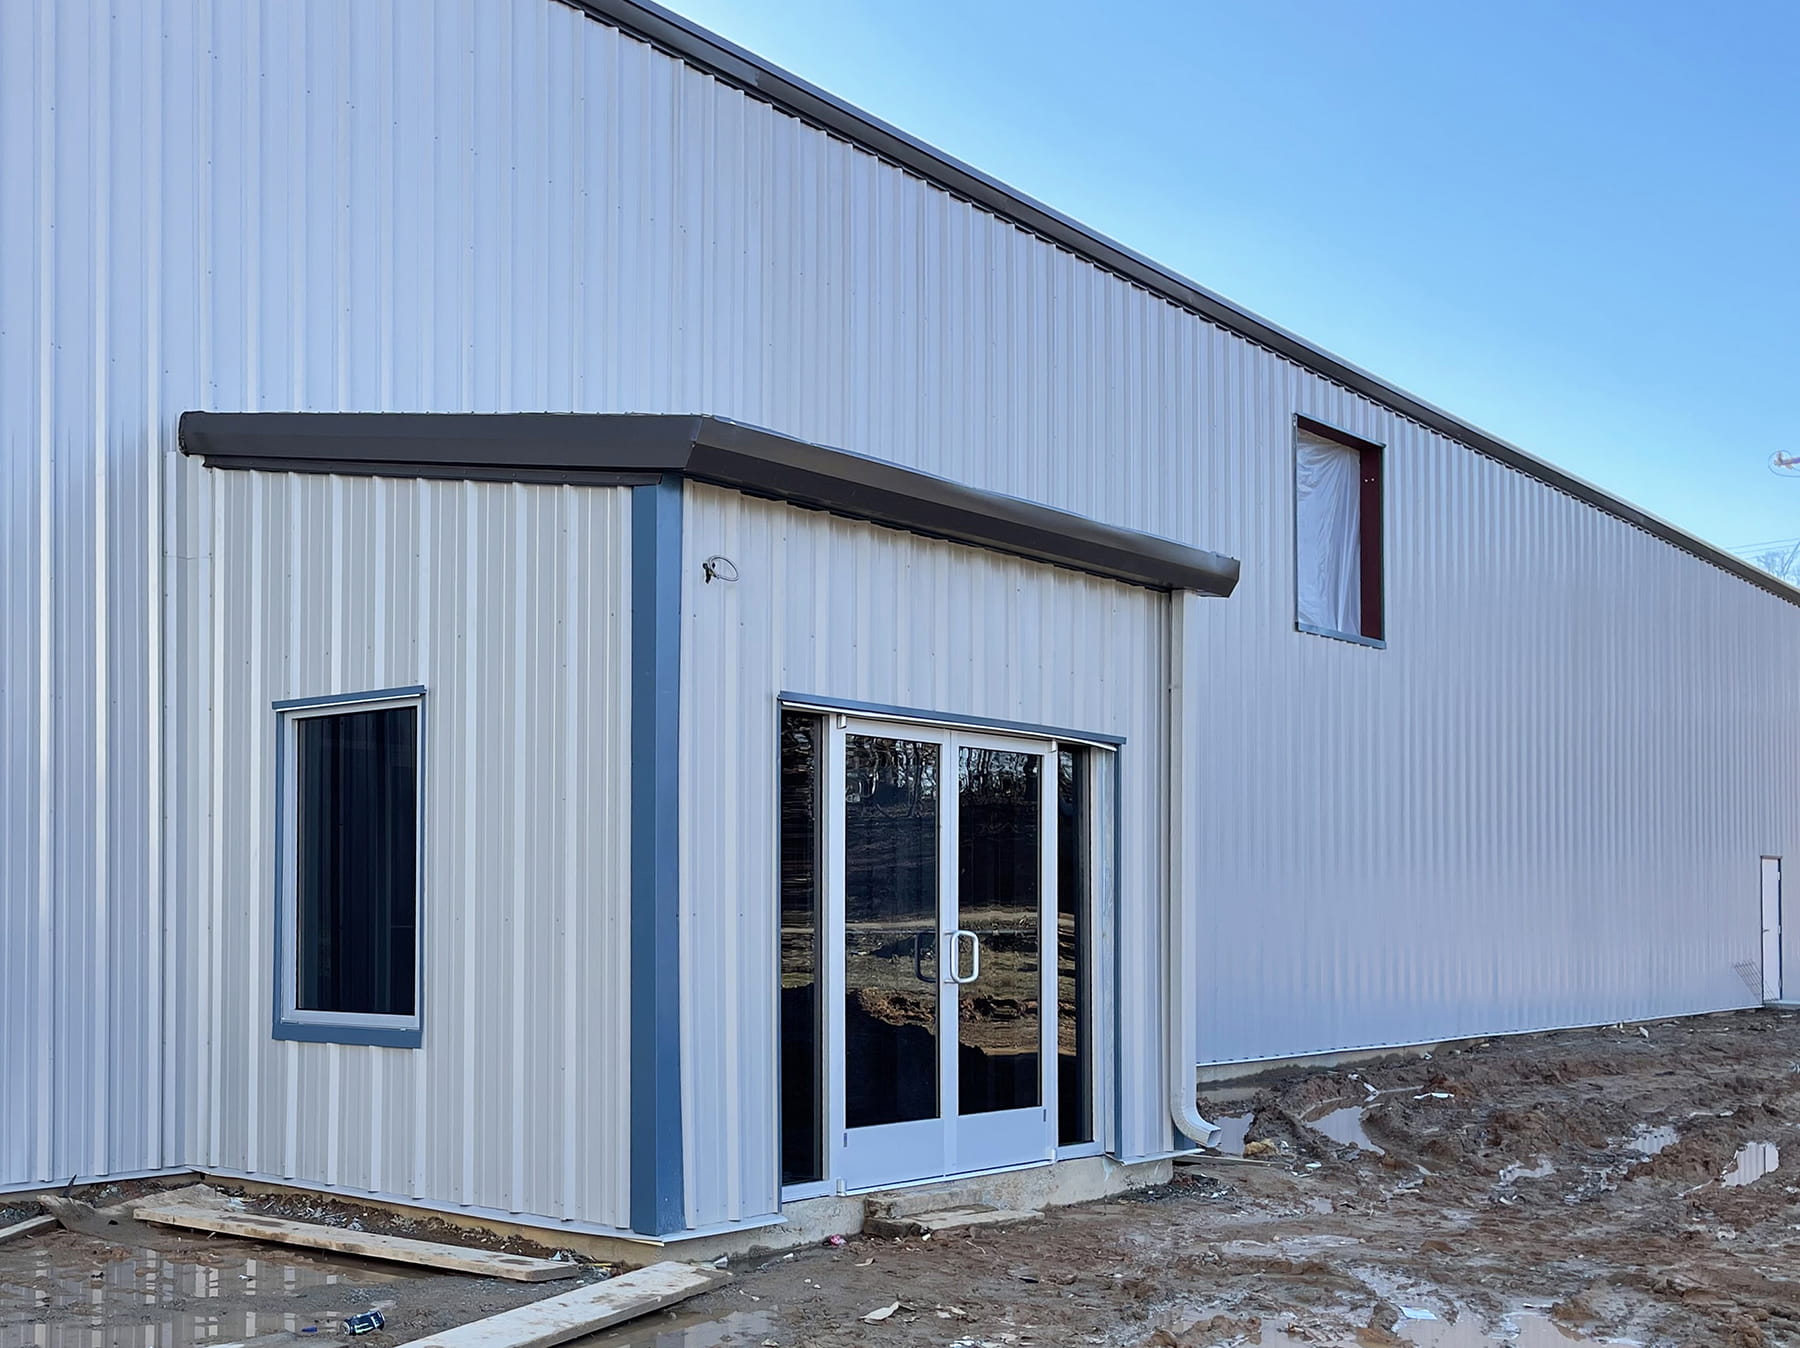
(347, 965)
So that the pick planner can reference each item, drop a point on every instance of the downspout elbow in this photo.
(1185, 1110)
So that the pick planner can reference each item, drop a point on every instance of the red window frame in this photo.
(1374, 616)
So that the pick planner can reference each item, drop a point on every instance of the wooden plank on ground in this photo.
(30, 1226)
(362, 1244)
(586, 1310)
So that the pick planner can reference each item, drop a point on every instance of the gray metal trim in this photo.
(1115, 1145)
(354, 1034)
(335, 699)
(806, 702)
(1326, 431)
(630, 448)
(688, 41)
(658, 1203)
(564, 477)
(1354, 639)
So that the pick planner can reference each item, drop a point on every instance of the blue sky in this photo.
(1576, 224)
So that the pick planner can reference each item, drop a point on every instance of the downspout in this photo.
(1183, 889)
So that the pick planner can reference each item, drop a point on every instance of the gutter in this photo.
(628, 449)
(1182, 889)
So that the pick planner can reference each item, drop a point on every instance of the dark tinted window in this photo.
(1074, 1018)
(999, 884)
(891, 929)
(356, 862)
(802, 1156)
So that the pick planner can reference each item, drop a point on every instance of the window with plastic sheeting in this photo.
(347, 962)
(1337, 534)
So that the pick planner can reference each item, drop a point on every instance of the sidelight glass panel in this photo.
(999, 824)
(356, 861)
(891, 793)
(1074, 1063)
(802, 1155)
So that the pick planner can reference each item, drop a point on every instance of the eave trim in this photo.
(635, 449)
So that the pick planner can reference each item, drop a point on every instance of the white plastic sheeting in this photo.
(1327, 534)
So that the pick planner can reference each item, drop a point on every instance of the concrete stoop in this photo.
(941, 1221)
(988, 1200)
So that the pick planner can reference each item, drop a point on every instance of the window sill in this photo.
(372, 1036)
(1354, 639)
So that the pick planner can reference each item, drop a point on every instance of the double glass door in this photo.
(942, 871)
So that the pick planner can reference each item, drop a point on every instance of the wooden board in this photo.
(584, 1311)
(30, 1226)
(362, 1244)
(114, 1224)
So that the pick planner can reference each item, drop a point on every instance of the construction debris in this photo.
(29, 1227)
(586, 1310)
(203, 1209)
(114, 1224)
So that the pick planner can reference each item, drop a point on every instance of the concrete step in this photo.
(941, 1220)
(934, 1197)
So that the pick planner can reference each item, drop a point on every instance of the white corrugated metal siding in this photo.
(1542, 803)
(510, 604)
(836, 608)
(80, 1023)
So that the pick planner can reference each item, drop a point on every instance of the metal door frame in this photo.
(1775, 987)
(950, 1143)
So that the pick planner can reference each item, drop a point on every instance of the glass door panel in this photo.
(999, 945)
(891, 926)
(942, 935)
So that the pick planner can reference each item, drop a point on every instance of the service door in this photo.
(1771, 929)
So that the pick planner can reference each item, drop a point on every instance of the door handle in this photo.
(956, 940)
(921, 942)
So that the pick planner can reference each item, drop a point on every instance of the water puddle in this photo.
(1520, 1331)
(1512, 1174)
(1345, 1127)
(142, 1298)
(1533, 1331)
(676, 1330)
(1648, 1141)
(1233, 1128)
(1525, 1330)
(1754, 1160)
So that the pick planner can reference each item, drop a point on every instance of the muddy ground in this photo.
(1508, 1178)
(130, 1283)
(1579, 1173)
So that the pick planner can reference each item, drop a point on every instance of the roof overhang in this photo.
(624, 449)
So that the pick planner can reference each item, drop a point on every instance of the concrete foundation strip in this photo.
(584, 1311)
(363, 1244)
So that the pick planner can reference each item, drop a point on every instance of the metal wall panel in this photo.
(837, 608)
(511, 605)
(81, 1044)
(1542, 803)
